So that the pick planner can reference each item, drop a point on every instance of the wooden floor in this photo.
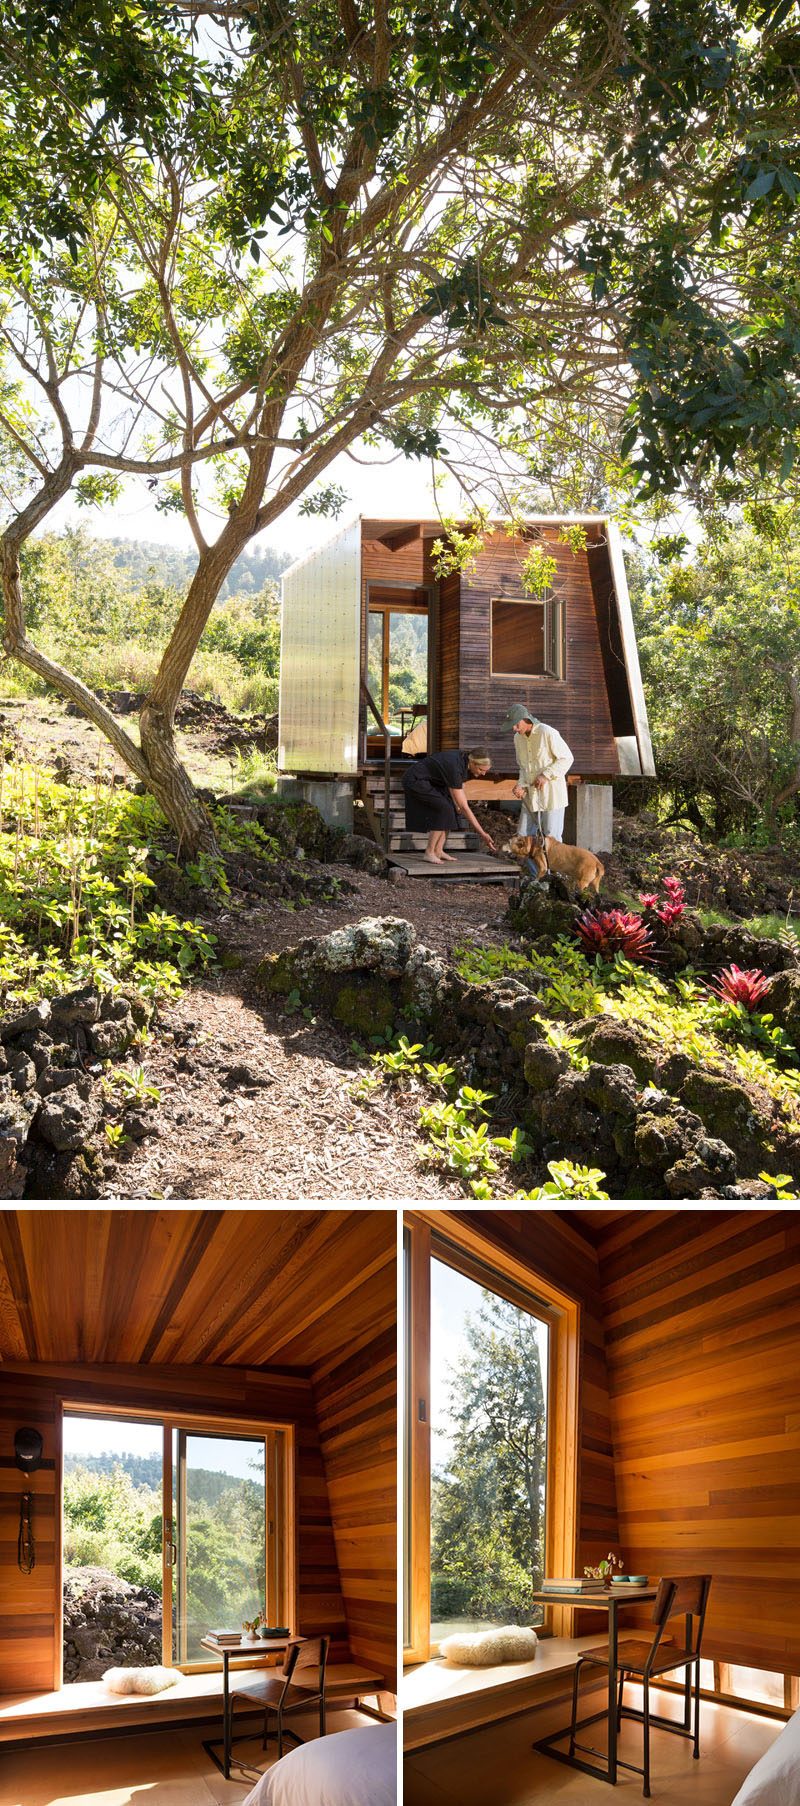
(159, 1768)
(497, 1767)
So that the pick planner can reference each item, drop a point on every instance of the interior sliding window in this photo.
(528, 636)
(186, 1526)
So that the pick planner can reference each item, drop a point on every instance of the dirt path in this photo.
(255, 1104)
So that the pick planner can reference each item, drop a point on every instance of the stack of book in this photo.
(225, 1639)
(573, 1585)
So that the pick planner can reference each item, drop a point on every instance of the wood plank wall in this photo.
(472, 700)
(578, 707)
(702, 1328)
(556, 1251)
(30, 1607)
(356, 1404)
(448, 662)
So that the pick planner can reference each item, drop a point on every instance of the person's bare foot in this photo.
(451, 858)
(432, 858)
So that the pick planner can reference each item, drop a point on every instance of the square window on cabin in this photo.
(528, 637)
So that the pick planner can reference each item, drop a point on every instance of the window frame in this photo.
(554, 637)
(433, 1235)
(198, 1423)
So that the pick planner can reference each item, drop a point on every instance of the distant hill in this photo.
(140, 559)
(145, 1470)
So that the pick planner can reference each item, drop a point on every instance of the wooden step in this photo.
(468, 867)
(402, 841)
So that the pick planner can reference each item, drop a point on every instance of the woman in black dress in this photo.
(434, 792)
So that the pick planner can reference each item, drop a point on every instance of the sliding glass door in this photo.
(170, 1530)
(222, 1531)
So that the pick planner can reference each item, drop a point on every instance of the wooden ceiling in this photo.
(209, 1287)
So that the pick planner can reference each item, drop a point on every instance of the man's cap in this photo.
(517, 714)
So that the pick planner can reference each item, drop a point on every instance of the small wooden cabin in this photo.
(370, 636)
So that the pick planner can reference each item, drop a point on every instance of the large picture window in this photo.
(528, 636)
(489, 1412)
(491, 1381)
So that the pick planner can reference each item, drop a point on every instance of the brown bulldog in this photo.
(576, 863)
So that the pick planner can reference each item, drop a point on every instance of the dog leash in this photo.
(542, 837)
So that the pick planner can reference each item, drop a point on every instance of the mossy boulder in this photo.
(367, 975)
(537, 911)
(783, 999)
(612, 1043)
(725, 946)
(544, 1065)
(727, 1110)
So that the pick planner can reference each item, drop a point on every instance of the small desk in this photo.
(251, 1651)
(608, 1602)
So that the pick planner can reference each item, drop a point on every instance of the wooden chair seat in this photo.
(273, 1689)
(635, 1657)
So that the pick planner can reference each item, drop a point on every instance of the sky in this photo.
(453, 1298)
(391, 486)
(110, 1435)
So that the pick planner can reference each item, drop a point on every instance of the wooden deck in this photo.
(473, 868)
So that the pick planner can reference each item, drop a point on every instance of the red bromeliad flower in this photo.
(670, 912)
(746, 988)
(610, 931)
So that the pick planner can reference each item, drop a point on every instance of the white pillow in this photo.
(140, 1680)
(484, 1648)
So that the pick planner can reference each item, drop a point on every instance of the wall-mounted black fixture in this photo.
(28, 1450)
(28, 1456)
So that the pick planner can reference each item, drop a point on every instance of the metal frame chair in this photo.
(640, 1661)
(279, 1692)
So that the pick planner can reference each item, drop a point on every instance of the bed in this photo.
(348, 1768)
(775, 1780)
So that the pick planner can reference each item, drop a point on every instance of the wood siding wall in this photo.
(30, 1606)
(702, 1327)
(356, 1404)
(550, 1247)
(472, 701)
(578, 707)
(448, 660)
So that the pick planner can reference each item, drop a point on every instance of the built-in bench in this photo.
(441, 1701)
(84, 1708)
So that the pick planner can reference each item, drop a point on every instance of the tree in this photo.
(489, 1501)
(719, 635)
(258, 237)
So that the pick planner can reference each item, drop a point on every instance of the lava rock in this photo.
(57, 1078)
(81, 1005)
(21, 1072)
(29, 1022)
(108, 1623)
(138, 1124)
(613, 1043)
(544, 1065)
(38, 1047)
(66, 1120)
(783, 999)
(111, 1039)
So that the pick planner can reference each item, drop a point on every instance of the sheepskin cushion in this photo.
(484, 1648)
(140, 1680)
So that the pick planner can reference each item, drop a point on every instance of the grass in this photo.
(768, 927)
(131, 665)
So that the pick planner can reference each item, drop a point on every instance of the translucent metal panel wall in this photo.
(321, 658)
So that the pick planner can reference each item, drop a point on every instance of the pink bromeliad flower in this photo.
(746, 988)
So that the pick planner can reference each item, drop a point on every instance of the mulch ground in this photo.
(256, 1105)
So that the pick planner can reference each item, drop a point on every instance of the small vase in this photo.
(608, 1582)
(249, 1636)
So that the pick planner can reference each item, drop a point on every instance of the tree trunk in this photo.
(172, 786)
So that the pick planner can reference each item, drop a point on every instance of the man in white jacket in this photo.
(544, 760)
